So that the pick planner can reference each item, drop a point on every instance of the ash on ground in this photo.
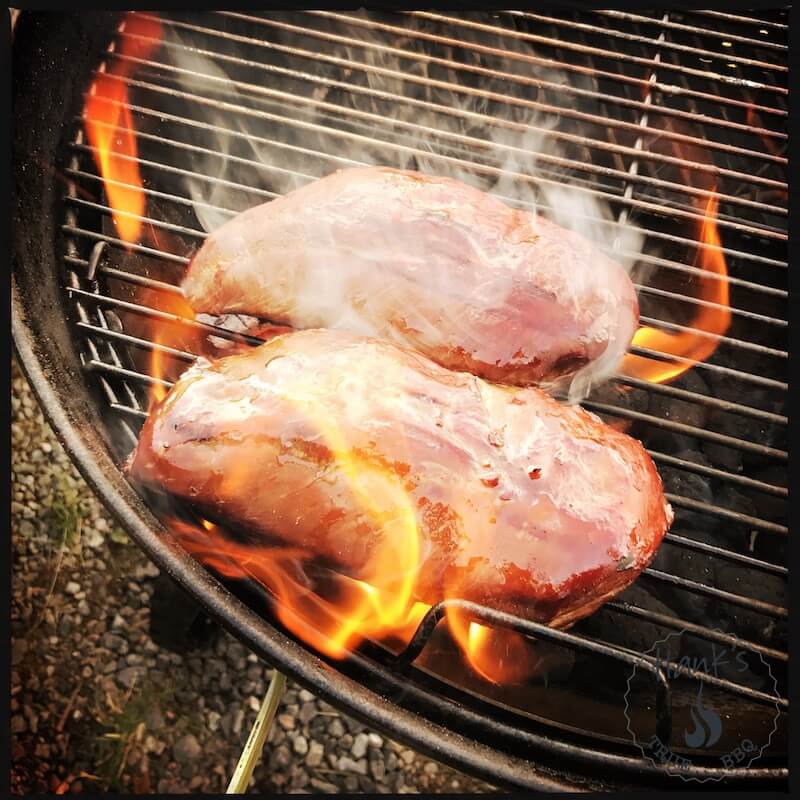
(98, 705)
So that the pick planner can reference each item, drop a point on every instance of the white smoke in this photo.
(451, 119)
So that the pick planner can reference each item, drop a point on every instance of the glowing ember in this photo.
(110, 129)
(714, 317)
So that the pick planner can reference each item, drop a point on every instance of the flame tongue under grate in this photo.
(670, 136)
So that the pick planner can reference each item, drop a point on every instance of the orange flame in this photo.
(335, 612)
(382, 600)
(165, 334)
(157, 390)
(713, 319)
(339, 613)
(498, 655)
(109, 126)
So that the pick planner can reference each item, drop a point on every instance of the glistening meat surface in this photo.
(324, 440)
(430, 263)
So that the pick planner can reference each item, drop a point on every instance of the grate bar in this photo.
(200, 234)
(184, 173)
(608, 54)
(688, 430)
(350, 162)
(134, 412)
(194, 233)
(719, 474)
(740, 18)
(743, 376)
(535, 630)
(135, 340)
(94, 364)
(744, 344)
(426, 59)
(746, 377)
(166, 316)
(74, 230)
(710, 634)
(768, 609)
(528, 58)
(646, 40)
(129, 277)
(679, 26)
(186, 356)
(726, 513)
(718, 306)
(172, 198)
(741, 690)
(258, 89)
(703, 399)
(729, 555)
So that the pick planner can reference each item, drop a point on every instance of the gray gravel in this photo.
(97, 705)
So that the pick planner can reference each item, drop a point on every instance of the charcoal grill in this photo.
(653, 113)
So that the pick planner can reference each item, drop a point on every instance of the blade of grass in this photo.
(255, 741)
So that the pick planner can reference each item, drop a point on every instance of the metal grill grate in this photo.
(655, 115)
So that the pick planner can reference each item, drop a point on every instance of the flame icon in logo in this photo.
(707, 725)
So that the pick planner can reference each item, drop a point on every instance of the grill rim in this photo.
(63, 395)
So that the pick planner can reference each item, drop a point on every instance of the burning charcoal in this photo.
(628, 631)
(677, 409)
(683, 562)
(755, 584)
(746, 429)
(622, 396)
(663, 440)
(688, 484)
(673, 409)
(724, 457)
(771, 506)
